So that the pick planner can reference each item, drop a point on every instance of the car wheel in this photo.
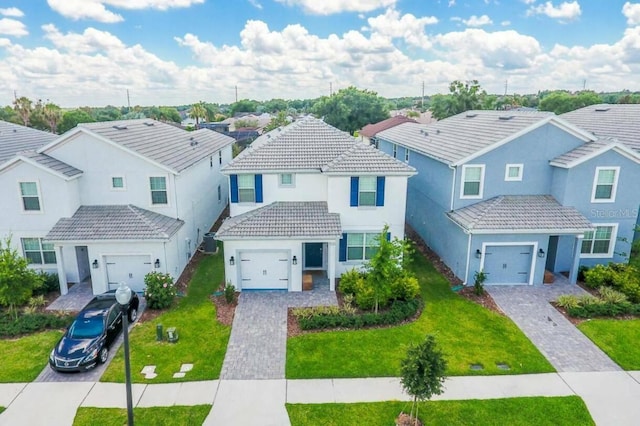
(133, 314)
(103, 355)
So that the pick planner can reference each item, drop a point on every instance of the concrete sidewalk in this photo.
(612, 397)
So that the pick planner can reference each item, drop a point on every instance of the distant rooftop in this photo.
(370, 130)
(15, 138)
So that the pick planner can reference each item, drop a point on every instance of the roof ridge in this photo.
(138, 212)
(489, 205)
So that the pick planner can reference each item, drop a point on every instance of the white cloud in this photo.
(97, 9)
(13, 12)
(90, 41)
(632, 12)
(452, 3)
(477, 21)
(12, 27)
(566, 10)
(329, 7)
(255, 4)
(407, 27)
(505, 23)
(528, 1)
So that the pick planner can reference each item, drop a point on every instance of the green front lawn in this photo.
(556, 411)
(617, 338)
(25, 357)
(160, 416)
(467, 332)
(203, 340)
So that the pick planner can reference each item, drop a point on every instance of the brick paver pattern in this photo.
(566, 348)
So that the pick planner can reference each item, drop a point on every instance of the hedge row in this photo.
(398, 312)
(606, 309)
(30, 323)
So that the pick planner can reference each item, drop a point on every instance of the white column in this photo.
(62, 276)
(331, 267)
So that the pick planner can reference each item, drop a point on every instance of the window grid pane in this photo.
(246, 181)
(606, 177)
(159, 197)
(246, 195)
(28, 189)
(158, 183)
(31, 203)
(49, 257)
(604, 192)
(586, 246)
(31, 244)
(472, 174)
(286, 179)
(354, 253)
(355, 239)
(598, 241)
(514, 171)
(601, 247)
(472, 188)
(118, 182)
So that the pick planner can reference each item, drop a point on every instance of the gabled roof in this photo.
(520, 213)
(460, 138)
(50, 163)
(283, 220)
(15, 138)
(114, 222)
(620, 121)
(364, 159)
(593, 149)
(161, 143)
(370, 130)
(312, 145)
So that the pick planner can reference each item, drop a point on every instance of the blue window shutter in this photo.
(355, 185)
(258, 181)
(380, 191)
(342, 252)
(388, 236)
(234, 188)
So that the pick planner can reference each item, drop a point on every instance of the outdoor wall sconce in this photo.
(478, 253)
(540, 253)
(95, 264)
(156, 264)
(294, 260)
(232, 260)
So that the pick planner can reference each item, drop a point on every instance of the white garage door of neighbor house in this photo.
(264, 270)
(130, 269)
(508, 264)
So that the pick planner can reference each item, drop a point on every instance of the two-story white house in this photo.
(308, 197)
(111, 201)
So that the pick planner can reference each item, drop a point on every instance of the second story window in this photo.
(406, 155)
(219, 193)
(605, 184)
(395, 151)
(30, 196)
(367, 191)
(286, 179)
(219, 157)
(158, 186)
(117, 182)
(472, 181)
(513, 172)
(246, 189)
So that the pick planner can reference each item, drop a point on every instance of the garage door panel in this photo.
(264, 270)
(129, 269)
(508, 264)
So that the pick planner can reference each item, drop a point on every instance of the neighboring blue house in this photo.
(514, 193)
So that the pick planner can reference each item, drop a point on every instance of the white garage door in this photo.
(508, 264)
(264, 270)
(130, 269)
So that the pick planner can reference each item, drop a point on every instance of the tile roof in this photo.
(170, 146)
(114, 222)
(308, 144)
(589, 149)
(620, 121)
(460, 136)
(52, 163)
(370, 130)
(283, 220)
(15, 138)
(525, 213)
(365, 158)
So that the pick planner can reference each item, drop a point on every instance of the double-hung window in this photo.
(472, 181)
(38, 252)
(599, 242)
(362, 246)
(246, 188)
(395, 151)
(30, 196)
(158, 185)
(605, 183)
(367, 191)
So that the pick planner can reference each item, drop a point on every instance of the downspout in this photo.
(466, 271)
(453, 185)
(164, 249)
(175, 195)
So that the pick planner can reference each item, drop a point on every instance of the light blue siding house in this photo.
(516, 193)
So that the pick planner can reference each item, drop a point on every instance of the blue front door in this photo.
(313, 255)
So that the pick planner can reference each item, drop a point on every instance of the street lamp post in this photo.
(123, 296)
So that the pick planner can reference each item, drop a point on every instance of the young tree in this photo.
(17, 281)
(23, 107)
(197, 112)
(277, 121)
(52, 114)
(462, 97)
(423, 372)
(351, 109)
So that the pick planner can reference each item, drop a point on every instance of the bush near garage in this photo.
(160, 290)
(620, 276)
(609, 303)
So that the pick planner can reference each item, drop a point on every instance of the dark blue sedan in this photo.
(87, 341)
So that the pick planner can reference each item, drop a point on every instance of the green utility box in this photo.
(172, 335)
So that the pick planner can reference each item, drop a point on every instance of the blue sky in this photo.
(167, 52)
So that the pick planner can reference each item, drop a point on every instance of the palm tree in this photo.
(197, 112)
(53, 115)
(22, 106)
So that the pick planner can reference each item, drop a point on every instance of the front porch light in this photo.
(294, 260)
(540, 253)
(232, 260)
(156, 264)
(95, 264)
(478, 253)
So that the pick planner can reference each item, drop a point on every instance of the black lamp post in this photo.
(123, 296)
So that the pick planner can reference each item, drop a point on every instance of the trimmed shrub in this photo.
(598, 276)
(31, 323)
(610, 295)
(350, 281)
(581, 272)
(229, 293)
(364, 296)
(159, 291)
(602, 310)
(405, 288)
(568, 301)
(50, 283)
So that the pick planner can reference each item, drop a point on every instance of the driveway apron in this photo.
(566, 348)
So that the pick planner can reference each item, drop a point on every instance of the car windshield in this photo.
(85, 328)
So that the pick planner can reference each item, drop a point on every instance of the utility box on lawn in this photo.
(172, 335)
